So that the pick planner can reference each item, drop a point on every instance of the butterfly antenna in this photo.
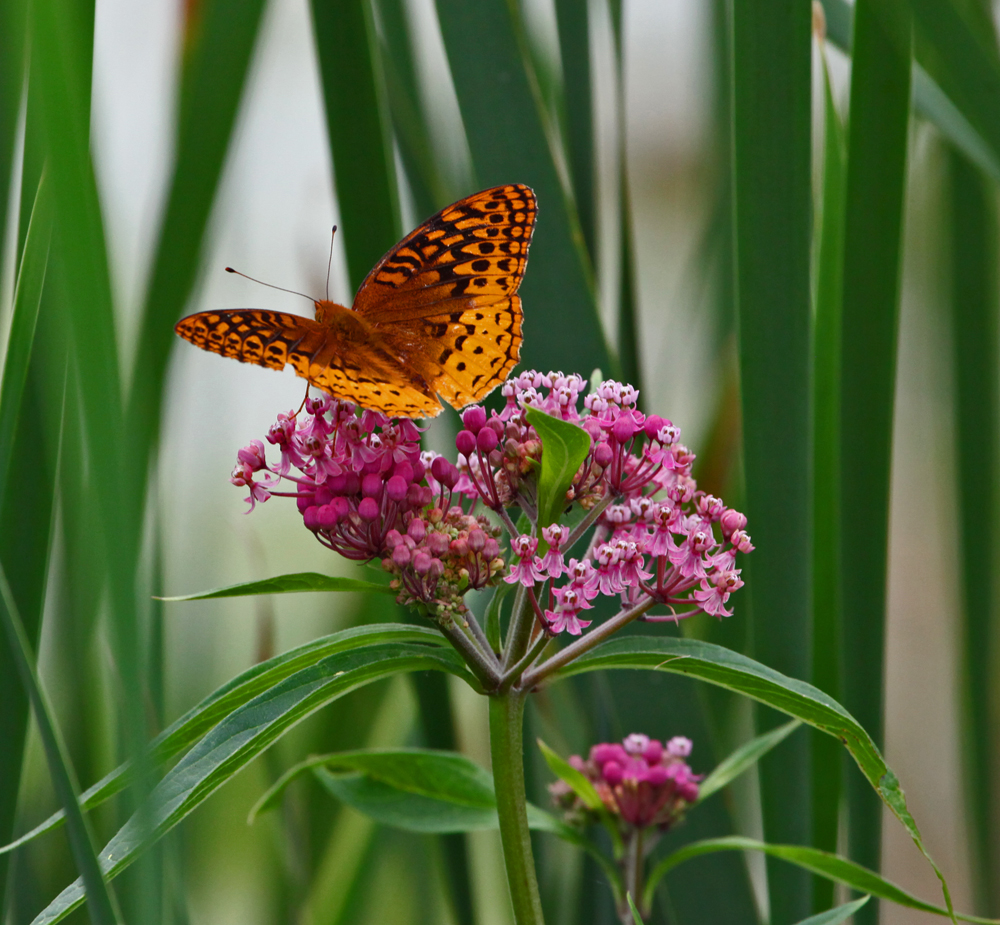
(329, 263)
(271, 285)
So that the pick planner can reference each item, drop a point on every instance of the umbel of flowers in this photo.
(366, 491)
(644, 786)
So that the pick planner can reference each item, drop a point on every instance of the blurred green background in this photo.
(791, 252)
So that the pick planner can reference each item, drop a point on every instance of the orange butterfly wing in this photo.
(355, 371)
(438, 314)
(444, 299)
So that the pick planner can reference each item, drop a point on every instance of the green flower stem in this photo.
(522, 618)
(584, 525)
(533, 677)
(511, 676)
(507, 752)
(483, 666)
(633, 864)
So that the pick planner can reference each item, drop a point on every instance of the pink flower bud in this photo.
(310, 519)
(352, 484)
(653, 752)
(326, 517)
(623, 429)
(465, 443)
(612, 773)
(392, 539)
(340, 506)
(603, 454)
(403, 471)
(437, 543)
(491, 549)
(652, 426)
(474, 418)
(436, 569)
(444, 472)
(608, 751)
(417, 530)
(477, 540)
(421, 562)
(396, 488)
(656, 775)
(371, 486)
(487, 439)
(368, 509)
(730, 521)
(401, 555)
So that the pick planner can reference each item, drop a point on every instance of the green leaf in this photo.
(636, 918)
(286, 584)
(873, 215)
(241, 736)
(236, 693)
(357, 120)
(772, 163)
(99, 900)
(821, 863)
(577, 782)
(564, 447)
(743, 675)
(837, 915)
(743, 758)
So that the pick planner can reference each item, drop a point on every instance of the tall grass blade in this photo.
(357, 119)
(99, 900)
(573, 22)
(13, 42)
(772, 149)
(973, 241)
(219, 38)
(511, 139)
(873, 212)
(826, 665)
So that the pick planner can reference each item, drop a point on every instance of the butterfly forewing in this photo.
(437, 314)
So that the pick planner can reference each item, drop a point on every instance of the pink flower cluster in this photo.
(366, 491)
(642, 782)
(662, 538)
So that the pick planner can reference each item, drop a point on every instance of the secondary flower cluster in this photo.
(641, 782)
(366, 491)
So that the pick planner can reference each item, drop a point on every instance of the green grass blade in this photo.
(826, 666)
(973, 240)
(219, 43)
(837, 914)
(876, 177)
(357, 120)
(241, 737)
(772, 175)
(13, 34)
(745, 757)
(99, 900)
(286, 584)
(573, 22)
(509, 137)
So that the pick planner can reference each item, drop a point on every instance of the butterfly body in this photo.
(438, 315)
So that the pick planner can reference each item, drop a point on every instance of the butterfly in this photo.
(439, 315)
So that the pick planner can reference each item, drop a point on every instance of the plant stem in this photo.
(507, 752)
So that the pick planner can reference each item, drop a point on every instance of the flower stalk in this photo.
(507, 754)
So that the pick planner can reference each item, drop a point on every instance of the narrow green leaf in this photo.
(826, 639)
(287, 584)
(772, 159)
(636, 918)
(99, 900)
(219, 38)
(577, 782)
(13, 43)
(573, 22)
(236, 693)
(357, 121)
(564, 447)
(445, 777)
(873, 215)
(512, 141)
(822, 863)
(744, 758)
(741, 674)
(973, 305)
(836, 915)
(27, 297)
(240, 737)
